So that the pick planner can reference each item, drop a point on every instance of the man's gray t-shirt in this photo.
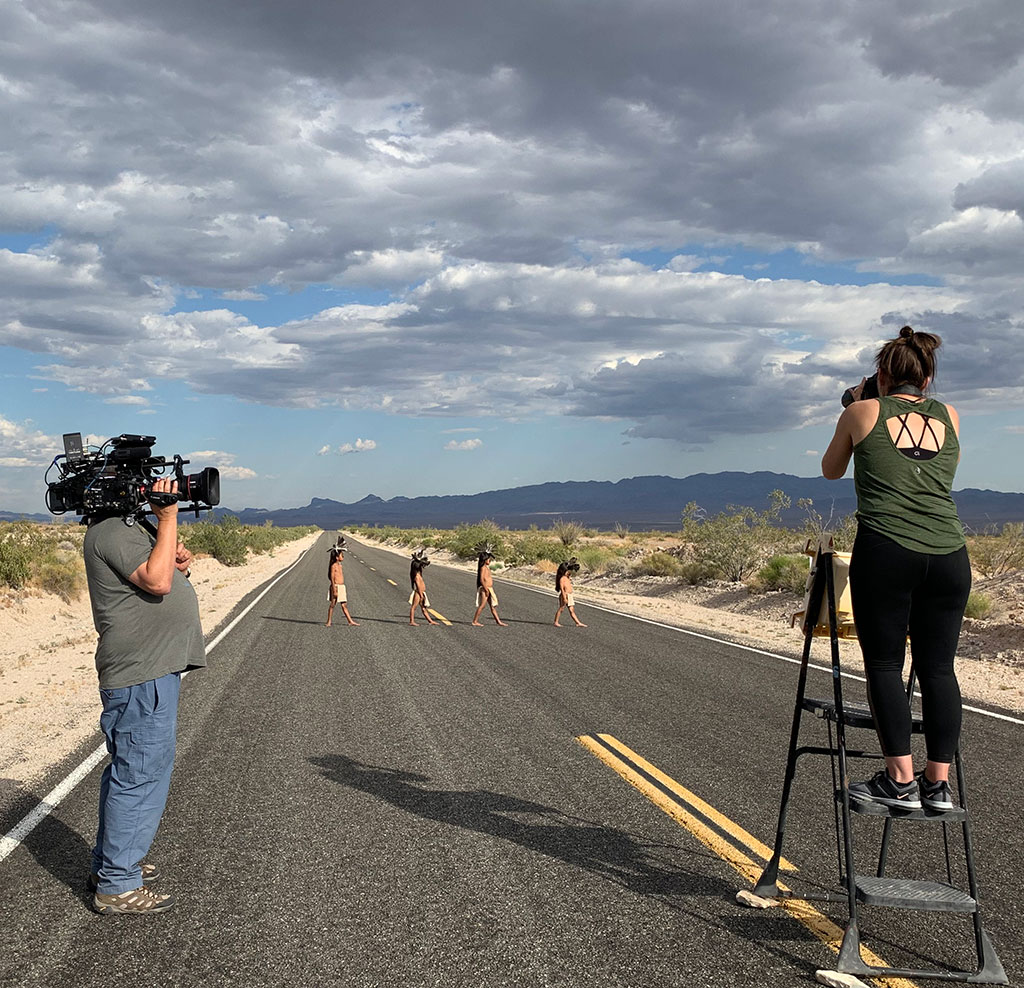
(142, 636)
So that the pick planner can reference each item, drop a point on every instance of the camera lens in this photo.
(203, 487)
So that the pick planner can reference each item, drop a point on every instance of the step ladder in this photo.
(878, 889)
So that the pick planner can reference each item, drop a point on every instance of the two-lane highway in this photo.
(388, 805)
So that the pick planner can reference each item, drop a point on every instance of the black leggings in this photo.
(896, 591)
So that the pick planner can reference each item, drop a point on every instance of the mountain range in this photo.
(638, 502)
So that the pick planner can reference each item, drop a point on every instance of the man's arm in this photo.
(156, 574)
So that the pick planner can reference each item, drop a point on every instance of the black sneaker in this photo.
(936, 796)
(882, 788)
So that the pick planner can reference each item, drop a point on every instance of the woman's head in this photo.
(908, 359)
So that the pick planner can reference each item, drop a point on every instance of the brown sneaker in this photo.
(137, 902)
(150, 873)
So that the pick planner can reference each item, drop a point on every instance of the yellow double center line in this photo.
(720, 835)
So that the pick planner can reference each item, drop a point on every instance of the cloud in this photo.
(484, 169)
(465, 444)
(126, 400)
(223, 461)
(238, 473)
(23, 445)
(360, 446)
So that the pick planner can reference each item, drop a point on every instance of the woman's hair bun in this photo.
(906, 333)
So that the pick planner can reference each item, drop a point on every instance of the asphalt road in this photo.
(387, 805)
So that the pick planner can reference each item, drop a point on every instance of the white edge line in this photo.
(745, 648)
(53, 798)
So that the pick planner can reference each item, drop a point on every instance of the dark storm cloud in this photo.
(487, 163)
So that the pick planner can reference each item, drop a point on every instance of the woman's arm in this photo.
(853, 425)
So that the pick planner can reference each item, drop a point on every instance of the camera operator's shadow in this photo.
(64, 853)
(615, 855)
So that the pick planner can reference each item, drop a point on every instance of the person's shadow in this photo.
(64, 853)
(615, 855)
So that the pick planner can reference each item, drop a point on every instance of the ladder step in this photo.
(906, 893)
(878, 809)
(856, 714)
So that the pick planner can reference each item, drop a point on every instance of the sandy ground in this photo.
(48, 694)
(990, 661)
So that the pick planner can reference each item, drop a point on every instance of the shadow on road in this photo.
(64, 853)
(613, 854)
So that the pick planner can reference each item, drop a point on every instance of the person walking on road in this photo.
(418, 597)
(336, 593)
(485, 593)
(147, 617)
(909, 571)
(563, 584)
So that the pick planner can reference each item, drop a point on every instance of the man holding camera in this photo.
(147, 617)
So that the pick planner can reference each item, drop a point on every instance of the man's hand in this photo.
(156, 574)
(182, 558)
(164, 485)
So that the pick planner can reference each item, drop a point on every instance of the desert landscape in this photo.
(48, 695)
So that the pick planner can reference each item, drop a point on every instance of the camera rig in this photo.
(116, 478)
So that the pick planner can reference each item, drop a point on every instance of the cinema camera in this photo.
(116, 479)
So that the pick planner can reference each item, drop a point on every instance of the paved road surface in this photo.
(387, 805)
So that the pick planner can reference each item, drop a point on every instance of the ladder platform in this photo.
(854, 714)
(906, 893)
(878, 809)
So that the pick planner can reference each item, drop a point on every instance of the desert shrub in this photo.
(532, 546)
(621, 530)
(229, 541)
(656, 564)
(979, 605)
(696, 573)
(465, 540)
(596, 560)
(15, 559)
(782, 573)
(842, 529)
(738, 540)
(995, 554)
(60, 574)
(567, 532)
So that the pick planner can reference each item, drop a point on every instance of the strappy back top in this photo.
(903, 473)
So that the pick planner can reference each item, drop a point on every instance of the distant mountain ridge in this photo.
(639, 502)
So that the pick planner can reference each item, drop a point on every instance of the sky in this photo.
(414, 248)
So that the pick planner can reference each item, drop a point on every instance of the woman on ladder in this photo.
(909, 571)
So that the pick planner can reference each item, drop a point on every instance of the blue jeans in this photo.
(140, 724)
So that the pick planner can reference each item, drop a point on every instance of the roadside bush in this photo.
(782, 573)
(229, 541)
(696, 573)
(979, 605)
(64, 577)
(567, 532)
(465, 540)
(842, 529)
(656, 564)
(533, 546)
(993, 555)
(596, 560)
(15, 557)
(738, 540)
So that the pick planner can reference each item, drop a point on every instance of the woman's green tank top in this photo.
(906, 493)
